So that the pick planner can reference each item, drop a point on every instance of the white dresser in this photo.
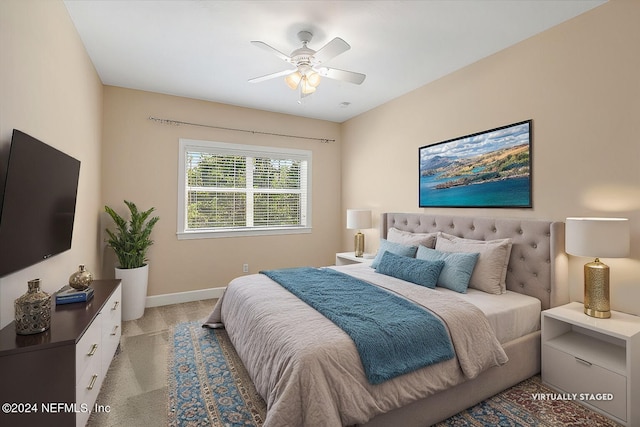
(94, 353)
(53, 378)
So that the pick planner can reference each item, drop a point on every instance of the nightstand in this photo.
(345, 258)
(597, 361)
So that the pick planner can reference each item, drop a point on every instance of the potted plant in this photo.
(130, 241)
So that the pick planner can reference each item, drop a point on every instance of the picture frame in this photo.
(488, 169)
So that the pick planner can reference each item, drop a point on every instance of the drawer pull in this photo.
(115, 329)
(93, 350)
(94, 377)
(584, 362)
(115, 305)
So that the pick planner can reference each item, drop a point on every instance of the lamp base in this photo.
(596, 290)
(359, 244)
(597, 314)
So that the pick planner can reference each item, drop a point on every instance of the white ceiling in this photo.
(201, 49)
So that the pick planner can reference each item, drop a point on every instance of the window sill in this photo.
(211, 234)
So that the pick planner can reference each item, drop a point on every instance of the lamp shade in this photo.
(293, 80)
(305, 86)
(597, 237)
(358, 219)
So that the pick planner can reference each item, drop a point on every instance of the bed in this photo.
(308, 369)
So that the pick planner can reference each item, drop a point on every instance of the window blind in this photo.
(229, 187)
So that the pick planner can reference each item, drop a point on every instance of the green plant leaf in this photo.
(131, 240)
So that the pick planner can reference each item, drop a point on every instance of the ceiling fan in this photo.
(309, 64)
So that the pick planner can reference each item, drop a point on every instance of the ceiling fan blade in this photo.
(271, 76)
(346, 76)
(332, 49)
(276, 52)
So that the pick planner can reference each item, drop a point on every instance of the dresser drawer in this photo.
(87, 389)
(110, 341)
(111, 328)
(89, 347)
(573, 375)
(112, 309)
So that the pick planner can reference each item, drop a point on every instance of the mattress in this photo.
(511, 315)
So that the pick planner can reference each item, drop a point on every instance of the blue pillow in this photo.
(420, 272)
(396, 248)
(458, 266)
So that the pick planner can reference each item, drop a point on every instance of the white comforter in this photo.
(308, 370)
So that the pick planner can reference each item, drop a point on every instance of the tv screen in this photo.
(38, 204)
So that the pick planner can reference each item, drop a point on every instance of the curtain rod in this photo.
(178, 123)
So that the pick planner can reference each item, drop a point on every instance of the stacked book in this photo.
(68, 295)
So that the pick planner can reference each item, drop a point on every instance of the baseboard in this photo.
(188, 296)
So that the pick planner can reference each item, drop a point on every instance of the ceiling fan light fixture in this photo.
(313, 79)
(306, 87)
(293, 80)
(309, 65)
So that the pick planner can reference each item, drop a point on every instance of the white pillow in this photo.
(412, 239)
(490, 271)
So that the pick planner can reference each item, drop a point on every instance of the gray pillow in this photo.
(490, 271)
(412, 239)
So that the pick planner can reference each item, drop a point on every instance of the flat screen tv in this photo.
(38, 203)
(489, 169)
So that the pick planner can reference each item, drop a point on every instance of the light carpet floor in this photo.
(135, 388)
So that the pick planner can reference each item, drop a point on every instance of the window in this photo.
(230, 189)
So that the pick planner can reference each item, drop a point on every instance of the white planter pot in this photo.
(134, 291)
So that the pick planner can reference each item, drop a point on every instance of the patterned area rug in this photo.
(518, 406)
(209, 386)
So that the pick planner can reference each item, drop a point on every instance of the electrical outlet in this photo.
(245, 268)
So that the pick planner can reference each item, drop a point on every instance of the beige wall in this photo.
(579, 83)
(50, 90)
(140, 163)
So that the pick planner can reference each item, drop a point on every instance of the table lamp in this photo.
(597, 237)
(358, 219)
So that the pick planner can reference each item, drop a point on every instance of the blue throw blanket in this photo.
(393, 335)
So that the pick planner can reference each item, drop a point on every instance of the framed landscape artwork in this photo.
(490, 169)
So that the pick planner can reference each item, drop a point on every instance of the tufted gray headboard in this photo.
(538, 263)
